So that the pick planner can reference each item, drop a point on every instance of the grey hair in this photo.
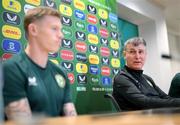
(135, 41)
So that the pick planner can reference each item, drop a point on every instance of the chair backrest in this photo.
(109, 96)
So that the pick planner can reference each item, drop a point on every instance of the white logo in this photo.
(49, 4)
(67, 65)
(94, 49)
(32, 81)
(79, 15)
(82, 78)
(67, 42)
(27, 7)
(66, 21)
(11, 18)
(104, 23)
(92, 9)
(114, 35)
(80, 35)
(104, 41)
(115, 53)
(115, 71)
(105, 61)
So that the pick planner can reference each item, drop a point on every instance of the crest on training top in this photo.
(60, 80)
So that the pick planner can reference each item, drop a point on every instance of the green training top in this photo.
(47, 89)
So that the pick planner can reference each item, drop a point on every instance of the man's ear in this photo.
(32, 29)
(124, 54)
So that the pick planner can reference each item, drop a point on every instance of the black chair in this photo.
(109, 96)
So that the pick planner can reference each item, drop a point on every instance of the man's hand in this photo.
(69, 109)
(18, 108)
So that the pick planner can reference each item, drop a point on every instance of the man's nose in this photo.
(60, 34)
(137, 55)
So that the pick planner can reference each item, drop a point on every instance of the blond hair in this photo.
(38, 13)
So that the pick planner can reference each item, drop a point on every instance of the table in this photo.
(146, 117)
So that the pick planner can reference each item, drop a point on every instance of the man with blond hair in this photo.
(33, 84)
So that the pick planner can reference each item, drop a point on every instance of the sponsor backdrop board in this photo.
(90, 50)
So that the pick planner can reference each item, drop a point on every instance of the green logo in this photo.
(94, 80)
(113, 26)
(80, 25)
(67, 32)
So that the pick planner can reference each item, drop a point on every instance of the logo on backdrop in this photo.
(67, 65)
(79, 15)
(6, 56)
(65, 10)
(67, 55)
(11, 5)
(94, 69)
(104, 41)
(103, 32)
(103, 13)
(67, 43)
(11, 18)
(92, 29)
(93, 49)
(106, 81)
(79, 5)
(115, 71)
(50, 3)
(66, 21)
(82, 79)
(114, 44)
(93, 38)
(34, 2)
(113, 17)
(80, 25)
(114, 35)
(66, 1)
(93, 59)
(67, 32)
(105, 71)
(11, 45)
(104, 51)
(103, 22)
(27, 7)
(91, 9)
(53, 55)
(54, 61)
(115, 63)
(113, 26)
(81, 57)
(94, 80)
(91, 19)
(80, 36)
(11, 32)
(105, 61)
(81, 46)
(115, 53)
(81, 68)
(71, 77)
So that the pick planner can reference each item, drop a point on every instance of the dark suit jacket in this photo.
(174, 90)
(130, 96)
